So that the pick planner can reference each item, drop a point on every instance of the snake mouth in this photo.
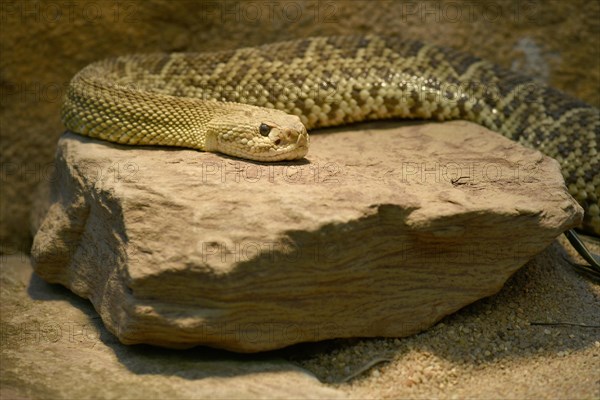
(303, 140)
(288, 144)
(279, 150)
(300, 148)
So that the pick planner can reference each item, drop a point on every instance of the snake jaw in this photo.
(280, 145)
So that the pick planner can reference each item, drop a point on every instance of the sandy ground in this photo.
(539, 337)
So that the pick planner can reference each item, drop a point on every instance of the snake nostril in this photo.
(277, 142)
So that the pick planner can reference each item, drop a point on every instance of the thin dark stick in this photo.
(564, 324)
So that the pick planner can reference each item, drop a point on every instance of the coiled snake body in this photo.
(257, 103)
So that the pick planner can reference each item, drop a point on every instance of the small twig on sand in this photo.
(366, 367)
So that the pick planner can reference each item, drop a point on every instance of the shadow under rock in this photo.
(502, 326)
(195, 363)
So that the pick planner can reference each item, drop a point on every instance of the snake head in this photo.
(257, 134)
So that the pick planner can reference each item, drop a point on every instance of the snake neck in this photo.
(98, 106)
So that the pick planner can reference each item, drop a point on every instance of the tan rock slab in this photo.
(381, 231)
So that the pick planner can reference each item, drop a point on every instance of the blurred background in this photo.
(44, 43)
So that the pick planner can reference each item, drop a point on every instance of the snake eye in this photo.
(264, 129)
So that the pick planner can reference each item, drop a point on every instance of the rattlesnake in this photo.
(257, 103)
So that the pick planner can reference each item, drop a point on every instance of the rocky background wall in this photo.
(44, 43)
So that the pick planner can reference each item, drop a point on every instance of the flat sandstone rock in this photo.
(381, 231)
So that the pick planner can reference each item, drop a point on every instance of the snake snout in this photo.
(290, 136)
(287, 136)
